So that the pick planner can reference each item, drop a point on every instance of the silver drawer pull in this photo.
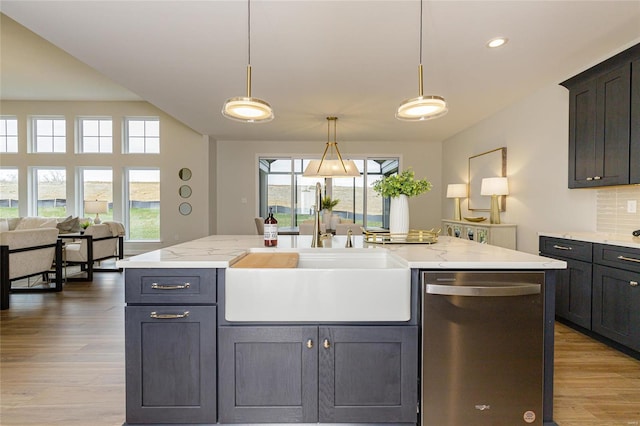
(597, 178)
(633, 283)
(562, 247)
(169, 316)
(589, 179)
(157, 286)
(628, 259)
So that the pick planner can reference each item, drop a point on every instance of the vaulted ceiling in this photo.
(354, 59)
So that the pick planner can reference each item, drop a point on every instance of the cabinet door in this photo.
(573, 293)
(171, 364)
(599, 113)
(616, 305)
(268, 374)
(368, 374)
(634, 139)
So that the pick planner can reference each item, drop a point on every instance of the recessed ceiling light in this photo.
(497, 42)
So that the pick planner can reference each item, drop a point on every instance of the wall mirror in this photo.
(185, 209)
(185, 191)
(184, 173)
(488, 164)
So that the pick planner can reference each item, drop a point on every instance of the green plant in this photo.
(85, 224)
(404, 183)
(328, 203)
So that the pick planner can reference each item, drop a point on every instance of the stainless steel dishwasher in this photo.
(482, 348)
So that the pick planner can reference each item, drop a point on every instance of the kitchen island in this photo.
(187, 362)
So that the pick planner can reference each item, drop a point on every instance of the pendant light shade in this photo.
(331, 165)
(248, 109)
(421, 107)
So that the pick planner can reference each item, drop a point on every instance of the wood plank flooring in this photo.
(62, 363)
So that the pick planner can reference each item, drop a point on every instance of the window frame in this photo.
(126, 148)
(5, 135)
(33, 143)
(80, 136)
(32, 181)
(126, 182)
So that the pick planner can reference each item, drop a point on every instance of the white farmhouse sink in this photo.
(328, 285)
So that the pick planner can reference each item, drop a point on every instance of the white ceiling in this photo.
(354, 59)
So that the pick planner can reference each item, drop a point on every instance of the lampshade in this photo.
(494, 186)
(331, 165)
(421, 107)
(248, 109)
(96, 207)
(457, 190)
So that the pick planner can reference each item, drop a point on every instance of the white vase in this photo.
(399, 215)
(326, 218)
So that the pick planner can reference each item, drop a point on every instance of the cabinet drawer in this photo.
(617, 257)
(169, 286)
(571, 249)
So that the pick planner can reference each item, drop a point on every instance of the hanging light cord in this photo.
(420, 83)
(420, 32)
(249, 31)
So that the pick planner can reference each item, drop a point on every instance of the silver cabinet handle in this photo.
(326, 344)
(633, 283)
(310, 344)
(597, 178)
(169, 316)
(483, 291)
(589, 179)
(157, 286)
(629, 259)
(555, 246)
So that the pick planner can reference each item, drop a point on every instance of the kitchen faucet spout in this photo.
(318, 237)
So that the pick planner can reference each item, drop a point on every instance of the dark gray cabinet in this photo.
(573, 285)
(616, 294)
(602, 110)
(327, 374)
(170, 347)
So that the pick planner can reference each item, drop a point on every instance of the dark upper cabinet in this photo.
(604, 111)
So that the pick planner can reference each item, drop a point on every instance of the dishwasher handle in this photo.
(517, 289)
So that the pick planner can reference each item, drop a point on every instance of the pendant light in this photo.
(331, 165)
(422, 107)
(246, 108)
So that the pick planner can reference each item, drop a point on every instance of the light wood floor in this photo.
(62, 363)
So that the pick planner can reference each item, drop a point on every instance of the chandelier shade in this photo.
(332, 164)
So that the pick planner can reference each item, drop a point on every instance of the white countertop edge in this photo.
(620, 240)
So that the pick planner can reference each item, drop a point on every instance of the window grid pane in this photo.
(143, 197)
(96, 135)
(97, 184)
(143, 136)
(8, 134)
(50, 135)
(51, 192)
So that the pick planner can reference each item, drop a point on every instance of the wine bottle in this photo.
(270, 230)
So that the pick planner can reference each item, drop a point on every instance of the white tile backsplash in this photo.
(612, 214)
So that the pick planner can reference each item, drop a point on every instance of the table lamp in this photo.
(457, 191)
(494, 186)
(96, 207)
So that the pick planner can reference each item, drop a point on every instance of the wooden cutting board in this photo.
(268, 260)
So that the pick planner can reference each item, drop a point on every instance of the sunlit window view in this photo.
(8, 134)
(291, 196)
(97, 185)
(50, 135)
(50, 192)
(9, 193)
(143, 200)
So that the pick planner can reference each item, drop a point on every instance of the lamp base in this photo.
(97, 220)
(494, 216)
(457, 212)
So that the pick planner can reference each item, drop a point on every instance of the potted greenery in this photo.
(399, 188)
(327, 207)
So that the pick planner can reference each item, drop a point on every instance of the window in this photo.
(50, 192)
(9, 193)
(50, 135)
(96, 184)
(142, 135)
(8, 134)
(292, 196)
(143, 199)
(95, 135)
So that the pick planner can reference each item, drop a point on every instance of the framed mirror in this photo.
(184, 173)
(488, 164)
(185, 191)
(184, 209)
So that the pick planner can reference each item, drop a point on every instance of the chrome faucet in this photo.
(318, 237)
(349, 243)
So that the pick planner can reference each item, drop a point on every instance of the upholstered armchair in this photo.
(99, 242)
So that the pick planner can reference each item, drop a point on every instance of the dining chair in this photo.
(259, 225)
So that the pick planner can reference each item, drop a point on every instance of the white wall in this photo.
(535, 132)
(180, 147)
(237, 168)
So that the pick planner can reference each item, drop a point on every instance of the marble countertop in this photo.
(597, 237)
(219, 251)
